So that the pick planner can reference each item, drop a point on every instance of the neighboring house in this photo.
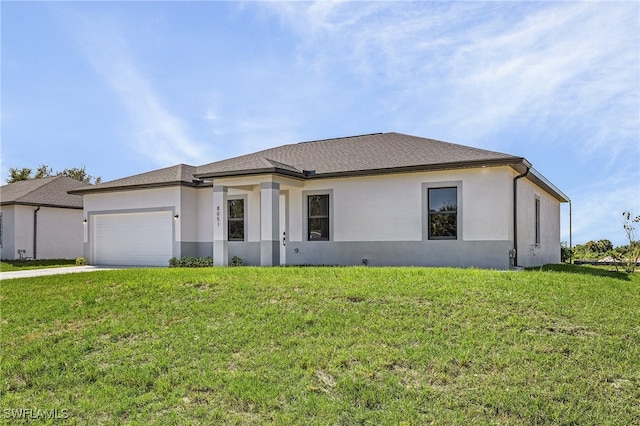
(380, 199)
(39, 219)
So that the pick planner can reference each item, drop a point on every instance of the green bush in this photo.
(81, 261)
(566, 253)
(191, 262)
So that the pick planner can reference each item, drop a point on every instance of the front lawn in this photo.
(22, 265)
(323, 346)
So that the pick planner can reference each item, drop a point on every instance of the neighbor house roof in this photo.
(376, 153)
(47, 192)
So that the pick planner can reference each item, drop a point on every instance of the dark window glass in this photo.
(537, 207)
(318, 218)
(236, 220)
(443, 213)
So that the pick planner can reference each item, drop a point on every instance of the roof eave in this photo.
(32, 204)
(518, 163)
(537, 178)
(137, 186)
(251, 172)
(514, 162)
(423, 168)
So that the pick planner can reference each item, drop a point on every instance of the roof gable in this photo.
(51, 191)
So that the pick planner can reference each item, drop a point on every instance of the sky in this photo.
(123, 88)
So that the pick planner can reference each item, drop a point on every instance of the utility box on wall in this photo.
(512, 258)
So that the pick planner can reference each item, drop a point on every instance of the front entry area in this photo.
(266, 223)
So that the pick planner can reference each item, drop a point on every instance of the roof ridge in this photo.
(458, 144)
(342, 137)
(181, 168)
(280, 164)
(36, 188)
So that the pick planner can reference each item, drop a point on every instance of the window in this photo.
(318, 217)
(537, 213)
(443, 213)
(236, 220)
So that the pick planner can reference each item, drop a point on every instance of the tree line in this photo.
(44, 171)
(627, 254)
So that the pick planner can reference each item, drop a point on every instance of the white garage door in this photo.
(141, 239)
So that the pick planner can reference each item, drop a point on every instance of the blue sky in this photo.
(128, 87)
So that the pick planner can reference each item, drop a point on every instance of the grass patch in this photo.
(596, 270)
(323, 346)
(22, 265)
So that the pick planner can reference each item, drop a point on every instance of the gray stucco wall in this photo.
(248, 252)
(196, 249)
(481, 254)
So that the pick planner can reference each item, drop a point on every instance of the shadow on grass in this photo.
(597, 271)
(16, 265)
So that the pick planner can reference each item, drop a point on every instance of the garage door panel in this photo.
(144, 238)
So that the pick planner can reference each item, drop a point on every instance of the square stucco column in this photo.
(269, 224)
(220, 227)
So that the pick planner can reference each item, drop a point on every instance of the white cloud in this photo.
(211, 116)
(471, 70)
(563, 61)
(156, 132)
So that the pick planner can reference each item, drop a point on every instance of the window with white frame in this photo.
(537, 219)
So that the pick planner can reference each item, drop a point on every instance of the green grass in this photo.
(22, 265)
(324, 346)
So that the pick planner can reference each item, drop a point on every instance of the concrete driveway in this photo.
(53, 271)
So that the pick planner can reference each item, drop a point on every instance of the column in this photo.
(269, 224)
(220, 227)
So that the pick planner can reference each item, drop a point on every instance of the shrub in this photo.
(81, 261)
(566, 253)
(191, 262)
(236, 261)
(633, 255)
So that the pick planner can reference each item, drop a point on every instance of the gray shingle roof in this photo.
(51, 191)
(357, 155)
(179, 174)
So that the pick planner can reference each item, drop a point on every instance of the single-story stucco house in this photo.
(39, 219)
(378, 199)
